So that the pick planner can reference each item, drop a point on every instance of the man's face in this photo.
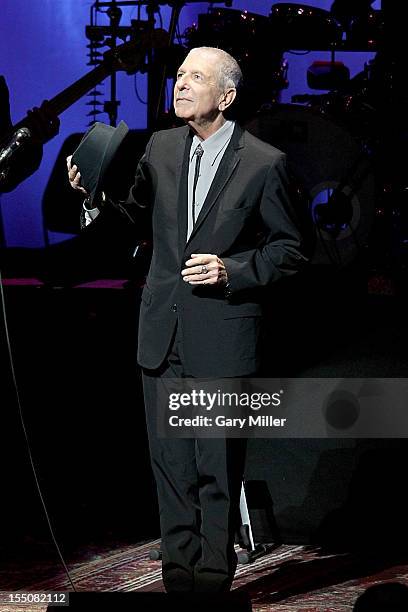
(197, 92)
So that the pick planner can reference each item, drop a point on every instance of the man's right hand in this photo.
(43, 123)
(74, 177)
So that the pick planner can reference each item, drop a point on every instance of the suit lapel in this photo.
(182, 151)
(228, 164)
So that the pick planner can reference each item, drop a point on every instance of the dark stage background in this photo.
(73, 305)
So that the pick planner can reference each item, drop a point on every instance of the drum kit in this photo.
(331, 138)
(335, 138)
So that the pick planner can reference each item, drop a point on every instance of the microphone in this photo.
(16, 141)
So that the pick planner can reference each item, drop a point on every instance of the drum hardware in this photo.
(347, 26)
(108, 36)
(336, 214)
(345, 10)
(363, 26)
(336, 175)
(352, 110)
(243, 35)
(159, 63)
(303, 27)
(327, 75)
(366, 32)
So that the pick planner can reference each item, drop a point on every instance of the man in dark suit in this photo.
(223, 230)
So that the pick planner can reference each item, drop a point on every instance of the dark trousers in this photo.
(198, 485)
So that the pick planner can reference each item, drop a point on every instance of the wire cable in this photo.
(137, 91)
(30, 455)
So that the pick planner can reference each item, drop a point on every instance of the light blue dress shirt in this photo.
(214, 148)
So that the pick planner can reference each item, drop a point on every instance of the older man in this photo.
(223, 229)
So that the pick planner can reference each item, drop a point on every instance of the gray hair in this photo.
(230, 74)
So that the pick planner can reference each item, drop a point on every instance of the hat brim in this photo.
(95, 153)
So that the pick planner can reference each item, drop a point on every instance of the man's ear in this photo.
(227, 99)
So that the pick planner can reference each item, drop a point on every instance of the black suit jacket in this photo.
(246, 219)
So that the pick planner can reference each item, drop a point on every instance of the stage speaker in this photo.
(156, 602)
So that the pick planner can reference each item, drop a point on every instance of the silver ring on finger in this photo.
(204, 269)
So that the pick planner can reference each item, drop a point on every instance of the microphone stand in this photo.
(111, 107)
(2, 236)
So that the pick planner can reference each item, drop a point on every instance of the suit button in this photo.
(174, 308)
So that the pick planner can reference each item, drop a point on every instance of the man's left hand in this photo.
(205, 269)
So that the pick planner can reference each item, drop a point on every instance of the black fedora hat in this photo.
(95, 153)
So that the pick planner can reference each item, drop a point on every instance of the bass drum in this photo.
(334, 173)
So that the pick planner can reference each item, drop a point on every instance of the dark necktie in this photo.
(198, 153)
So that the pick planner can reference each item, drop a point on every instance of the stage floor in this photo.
(288, 579)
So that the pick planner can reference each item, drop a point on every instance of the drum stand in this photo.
(250, 551)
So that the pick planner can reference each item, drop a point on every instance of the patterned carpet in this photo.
(288, 579)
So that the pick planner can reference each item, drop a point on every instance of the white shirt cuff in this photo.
(90, 215)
